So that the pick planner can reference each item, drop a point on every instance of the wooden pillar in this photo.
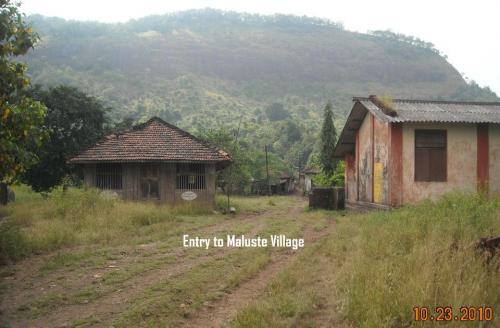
(396, 164)
(483, 160)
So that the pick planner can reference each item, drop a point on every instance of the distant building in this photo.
(286, 184)
(154, 161)
(283, 185)
(403, 151)
(305, 179)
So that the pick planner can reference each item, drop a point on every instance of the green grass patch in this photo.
(167, 304)
(73, 260)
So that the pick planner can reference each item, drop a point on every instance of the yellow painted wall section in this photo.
(462, 157)
(494, 159)
(380, 167)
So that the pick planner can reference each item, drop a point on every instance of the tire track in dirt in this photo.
(220, 313)
(110, 305)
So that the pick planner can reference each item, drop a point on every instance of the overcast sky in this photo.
(467, 31)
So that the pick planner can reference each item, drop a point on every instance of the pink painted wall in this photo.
(494, 157)
(364, 161)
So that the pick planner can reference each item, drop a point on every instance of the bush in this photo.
(336, 179)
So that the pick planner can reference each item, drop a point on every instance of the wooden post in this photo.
(267, 174)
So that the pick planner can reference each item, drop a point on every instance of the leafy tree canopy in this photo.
(21, 118)
(277, 112)
(76, 121)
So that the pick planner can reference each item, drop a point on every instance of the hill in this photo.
(209, 68)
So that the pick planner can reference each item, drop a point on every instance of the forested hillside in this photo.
(206, 69)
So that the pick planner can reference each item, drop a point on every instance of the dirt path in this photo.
(220, 313)
(108, 306)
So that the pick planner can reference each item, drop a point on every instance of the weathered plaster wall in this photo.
(364, 161)
(494, 158)
(462, 156)
(372, 165)
(350, 177)
(396, 164)
(381, 137)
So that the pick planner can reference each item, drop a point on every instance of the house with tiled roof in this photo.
(154, 161)
(401, 151)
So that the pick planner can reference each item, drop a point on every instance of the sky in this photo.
(467, 32)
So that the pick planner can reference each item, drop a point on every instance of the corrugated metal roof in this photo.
(436, 111)
(407, 111)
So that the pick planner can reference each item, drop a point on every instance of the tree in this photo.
(276, 112)
(21, 118)
(328, 138)
(237, 176)
(75, 121)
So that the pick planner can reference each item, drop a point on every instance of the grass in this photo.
(375, 268)
(68, 259)
(170, 302)
(369, 271)
(37, 225)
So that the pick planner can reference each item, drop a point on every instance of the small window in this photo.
(430, 155)
(190, 176)
(108, 176)
(150, 174)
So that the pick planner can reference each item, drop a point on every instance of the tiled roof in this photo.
(406, 110)
(153, 141)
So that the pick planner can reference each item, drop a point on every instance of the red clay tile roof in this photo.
(153, 141)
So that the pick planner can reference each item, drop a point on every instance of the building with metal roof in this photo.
(400, 151)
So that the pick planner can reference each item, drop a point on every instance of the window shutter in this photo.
(430, 155)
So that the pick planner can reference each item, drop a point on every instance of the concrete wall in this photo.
(381, 137)
(395, 184)
(364, 162)
(167, 186)
(494, 159)
(461, 161)
(367, 177)
(350, 178)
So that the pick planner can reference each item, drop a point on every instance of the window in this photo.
(190, 176)
(430, 155)
(150, 174)
(108, 176)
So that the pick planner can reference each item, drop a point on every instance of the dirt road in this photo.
(97, 291)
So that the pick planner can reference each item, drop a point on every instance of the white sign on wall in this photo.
(189, 195)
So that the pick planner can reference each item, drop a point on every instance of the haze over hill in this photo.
(207, 68)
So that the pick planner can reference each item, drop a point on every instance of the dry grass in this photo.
(369, 272)
(83, 217)
(385, 103)
(375, 268)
